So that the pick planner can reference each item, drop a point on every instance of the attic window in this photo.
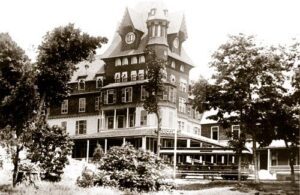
(182, 68)
(99, 82)
(125, 61)
(166, 12)
(142, 59)
(118, 62)
(81, 84)
(152, 12)
(173, 64)
(134, 60)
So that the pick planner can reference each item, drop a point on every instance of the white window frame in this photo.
(106, 96)
(81, 104)
(127, 94)
(124, 61)
(182, 105)
(182, 68)
(142, 59)
(211, 132)
(97, 82)
(133, 75)
(81, 81)
(141, 75)
(133, 60)
(117, 77)
(142, 120)
(232, 129)
(118, 62)
(124, 77)
(84, 125)
(64, 107)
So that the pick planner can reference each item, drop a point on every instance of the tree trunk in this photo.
(41, 105)
(256, 179)
(158, 133)
(291, 161)
(239, 167)
(16, 166)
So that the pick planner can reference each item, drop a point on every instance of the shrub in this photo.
(98, 153)
(86, 179)
(129, 169)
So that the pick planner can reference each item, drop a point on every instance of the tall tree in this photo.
(155, 88)
(247, 81)
(18, 98)
(58, 54)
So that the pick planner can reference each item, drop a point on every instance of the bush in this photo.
(87, 178)
(129, 169)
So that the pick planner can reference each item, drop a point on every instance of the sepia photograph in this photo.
(161, 97)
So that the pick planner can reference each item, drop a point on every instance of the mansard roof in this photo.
(88, 70)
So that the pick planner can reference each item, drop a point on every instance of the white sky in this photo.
(208, 21)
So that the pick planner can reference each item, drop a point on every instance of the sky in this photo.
(209, 22)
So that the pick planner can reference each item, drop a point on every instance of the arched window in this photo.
(125, 61)
(118, 62)
(142, 59)
(182, 68)
(134, 60)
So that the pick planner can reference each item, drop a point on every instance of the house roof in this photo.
(138, 17)
(88, 70)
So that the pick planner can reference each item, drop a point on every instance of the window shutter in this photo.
(123, 95)
(77, 128)
(105, 97)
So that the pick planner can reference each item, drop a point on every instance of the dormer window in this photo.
(125, 61)
(173, 64)
(118, 62)
(124, 76)
(130, 37)
(81, 84)
(133, 75)
(166, 12)
(152, 12)
(117, 77)
(182, 68)
(142, 59)
(133, 60)
(99, 82)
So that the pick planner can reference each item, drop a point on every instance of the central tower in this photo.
(157, 25)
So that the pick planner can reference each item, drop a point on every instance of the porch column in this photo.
(87, 150)
(105, 146)
(269, 159)
(127, 118)
(115, 118)
(124, 141)
(137, 116)
(188, 143)
(144, 139)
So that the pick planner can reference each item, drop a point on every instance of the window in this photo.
(235, 131)
(124, 76)
(182, 86)
(158, 31)
(181, 125)
(110, 97)
(152, 12)
(97, 103)
(144, 93)
(81, 127)
(130, 37)
(215, 132)
(133, 60)
(118, 62)
(125, 61)
(165, 75)
(117, 77)
(196, 130)
(64, 107)
(172, 94)
(64, 125)
(172, 79)
(141, 75)
(142, 59)
(127, 94)
(82, 104)
(99, 82)
(133, 75)
(110, 122)
(182, 68)
(143, 118)
(165, 94)
(81, 84)
(173, 64)
(182, 105)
